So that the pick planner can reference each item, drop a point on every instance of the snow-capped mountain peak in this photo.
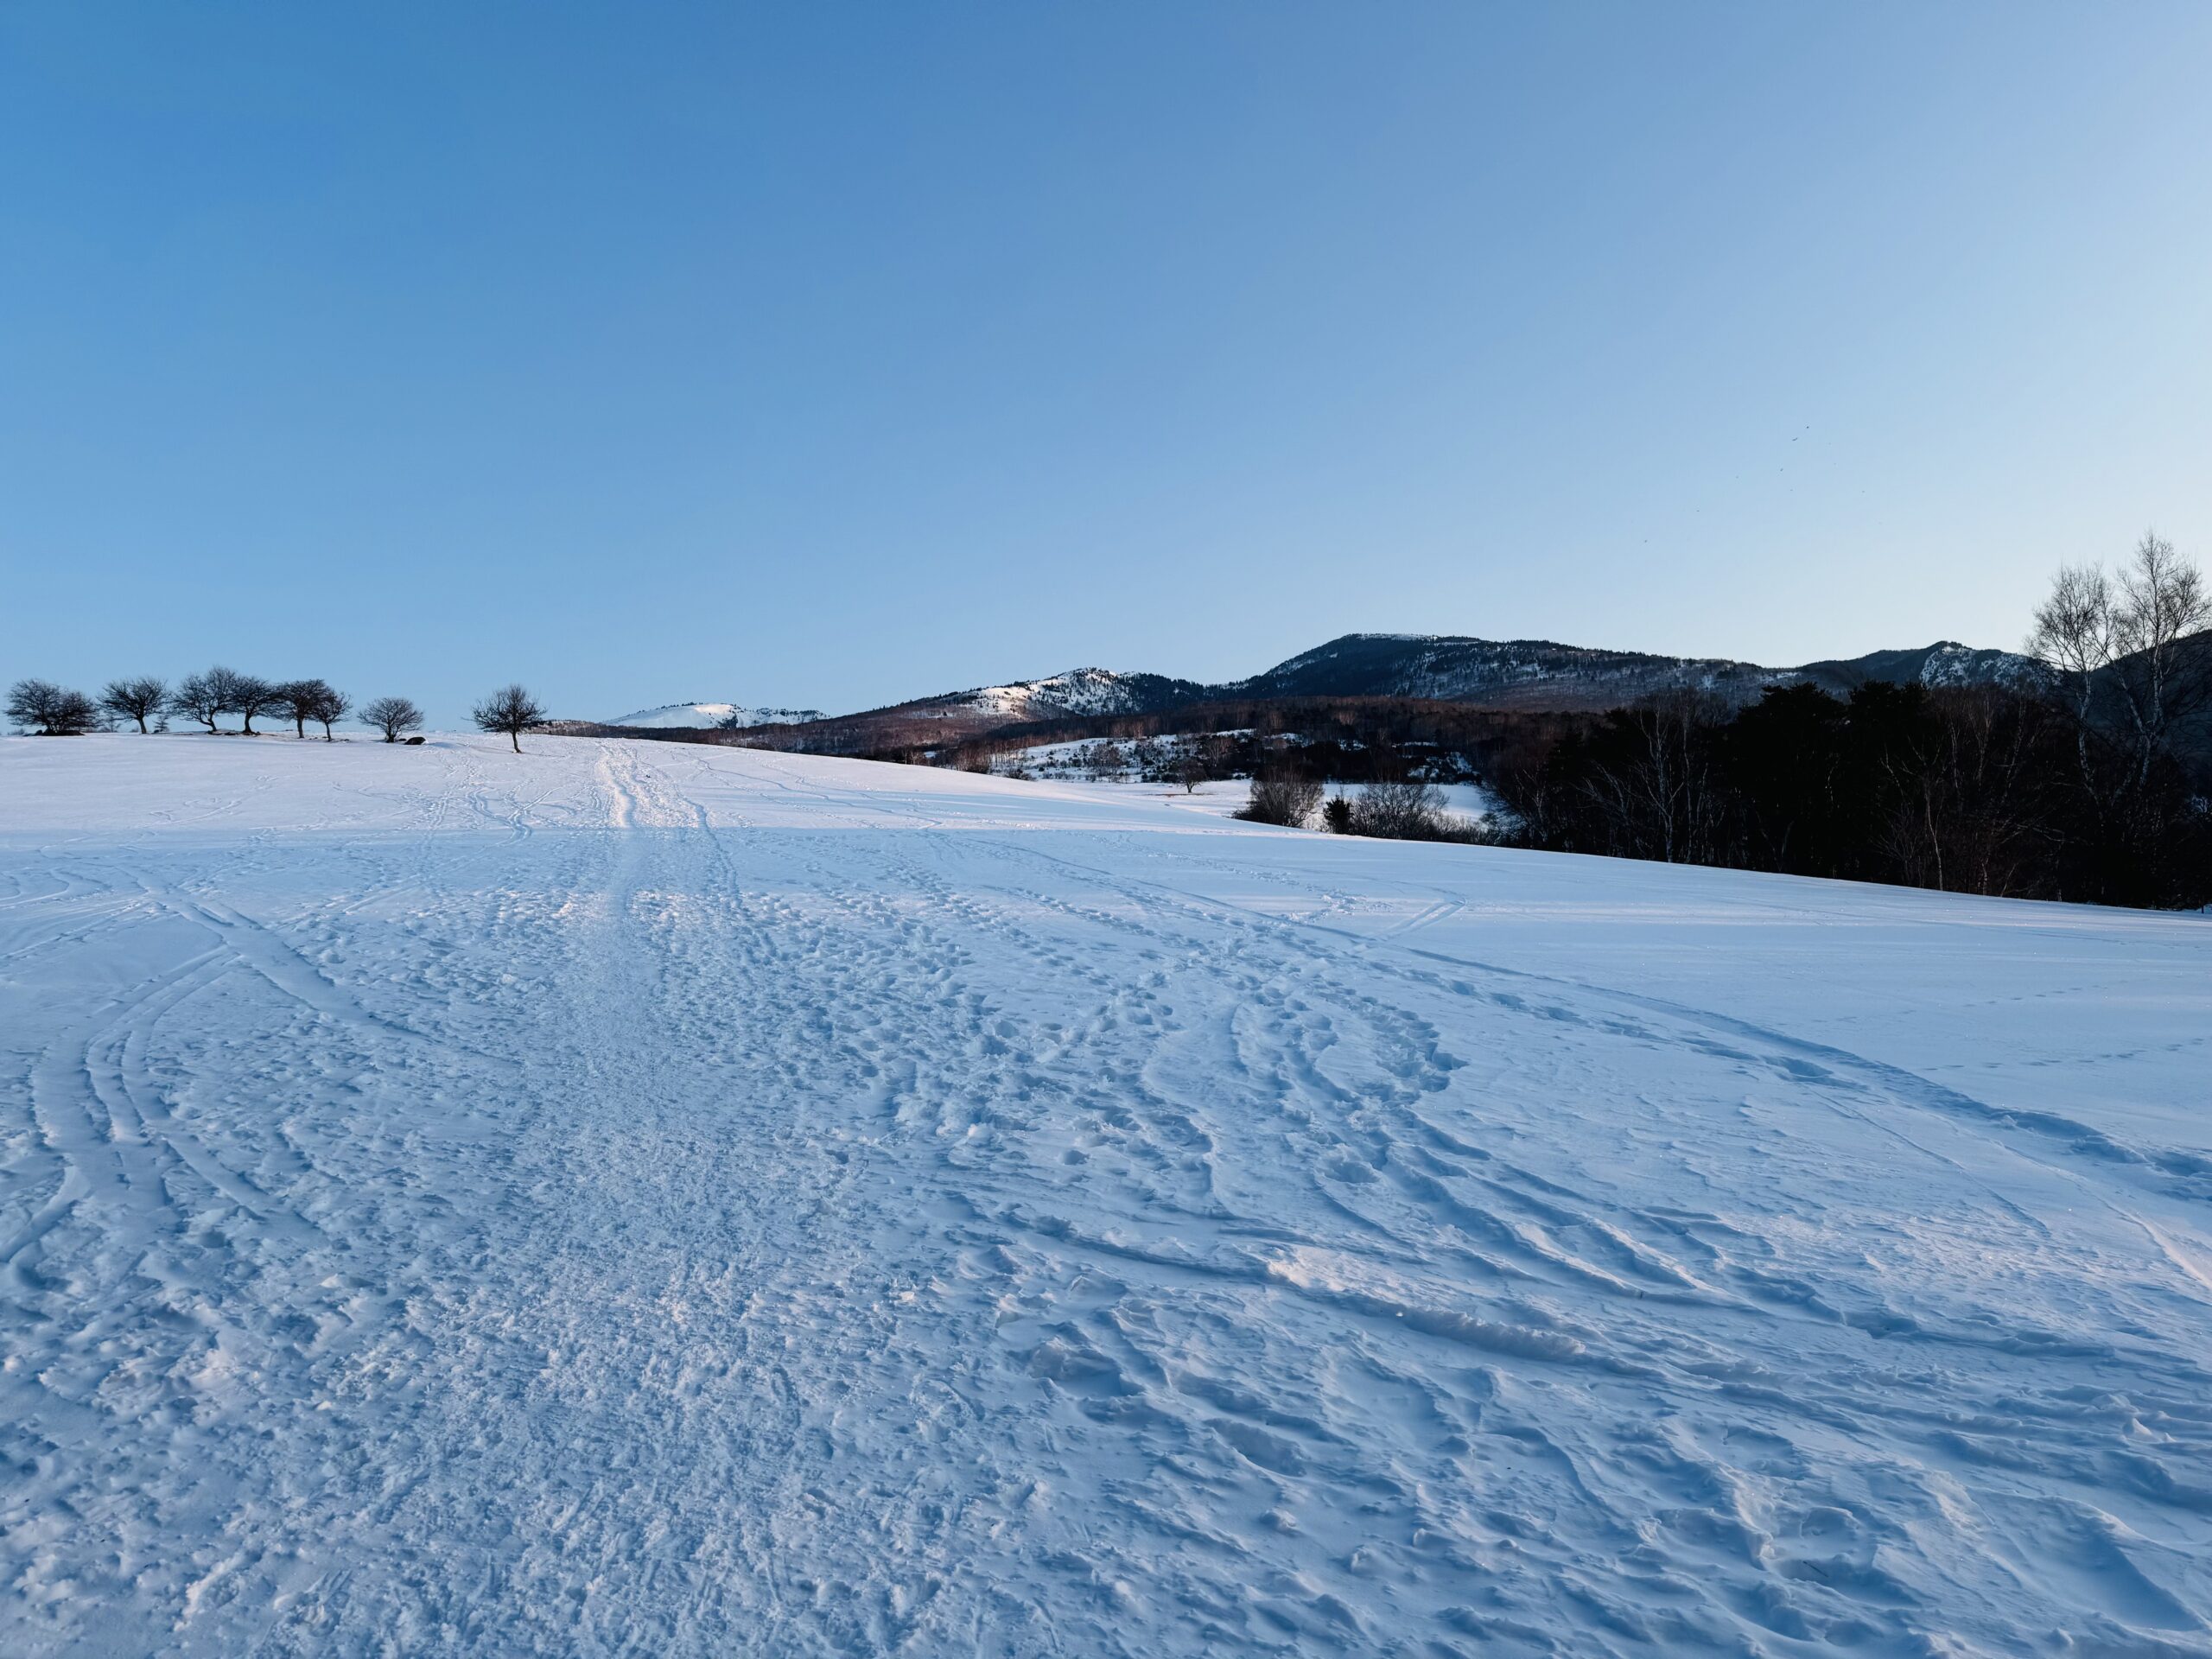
(1077, 691)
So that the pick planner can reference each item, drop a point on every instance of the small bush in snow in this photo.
(1400, 812)
(1279, 798)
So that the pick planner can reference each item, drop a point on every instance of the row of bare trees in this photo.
(203, 699)
(206, 699)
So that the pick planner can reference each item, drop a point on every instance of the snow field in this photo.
(641, 1198)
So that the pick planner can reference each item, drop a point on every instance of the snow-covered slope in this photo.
(632, 1196)
(678, 715)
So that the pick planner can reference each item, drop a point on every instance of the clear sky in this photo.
(836, 353)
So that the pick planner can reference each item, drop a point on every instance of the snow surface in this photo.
(641, 1198)
(681, 715)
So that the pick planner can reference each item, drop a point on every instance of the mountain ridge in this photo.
(1529, 676)
(1525, 674)
(699, 717)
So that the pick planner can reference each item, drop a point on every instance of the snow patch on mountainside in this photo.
(678, 715)
(1951, 663)
(1078, 691)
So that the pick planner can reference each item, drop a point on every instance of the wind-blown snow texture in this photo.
(638, 1198)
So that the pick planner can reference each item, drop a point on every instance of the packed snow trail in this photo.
(642, 1199)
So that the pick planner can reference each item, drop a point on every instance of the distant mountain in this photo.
(1494, 673)
(1539, 674)
(1078, 691)
(707, 715)
(1945, 662)
(1530, 675)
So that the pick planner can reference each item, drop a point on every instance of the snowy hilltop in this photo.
(1078, 691)
(632, 1196)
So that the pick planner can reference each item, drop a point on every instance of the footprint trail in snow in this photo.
(642, 1199)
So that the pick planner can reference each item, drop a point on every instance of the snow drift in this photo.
(645, 1197)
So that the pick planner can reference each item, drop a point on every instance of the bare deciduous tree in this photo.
(330, 706)
(52, 710)
(2123, 639)
(1657, 787)
(140, 699)
(393, 716)
(250, 695)
(512, 710)
(2073, 638)
(198, 697)
(2162, 602)
(230, 692)
(300, 699)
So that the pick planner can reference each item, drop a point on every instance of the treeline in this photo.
(1967, 789)
(2091, 784)
(206, 700)
(203, 700)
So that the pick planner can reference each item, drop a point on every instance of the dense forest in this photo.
(1968, 789)
(2089, 782)
(2088, 779)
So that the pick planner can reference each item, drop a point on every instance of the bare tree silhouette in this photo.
(509, 709)
(138, 699)
(393, 716)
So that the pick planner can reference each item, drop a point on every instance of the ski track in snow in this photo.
(634, 1199)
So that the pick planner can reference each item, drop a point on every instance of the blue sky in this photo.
(832, 354)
